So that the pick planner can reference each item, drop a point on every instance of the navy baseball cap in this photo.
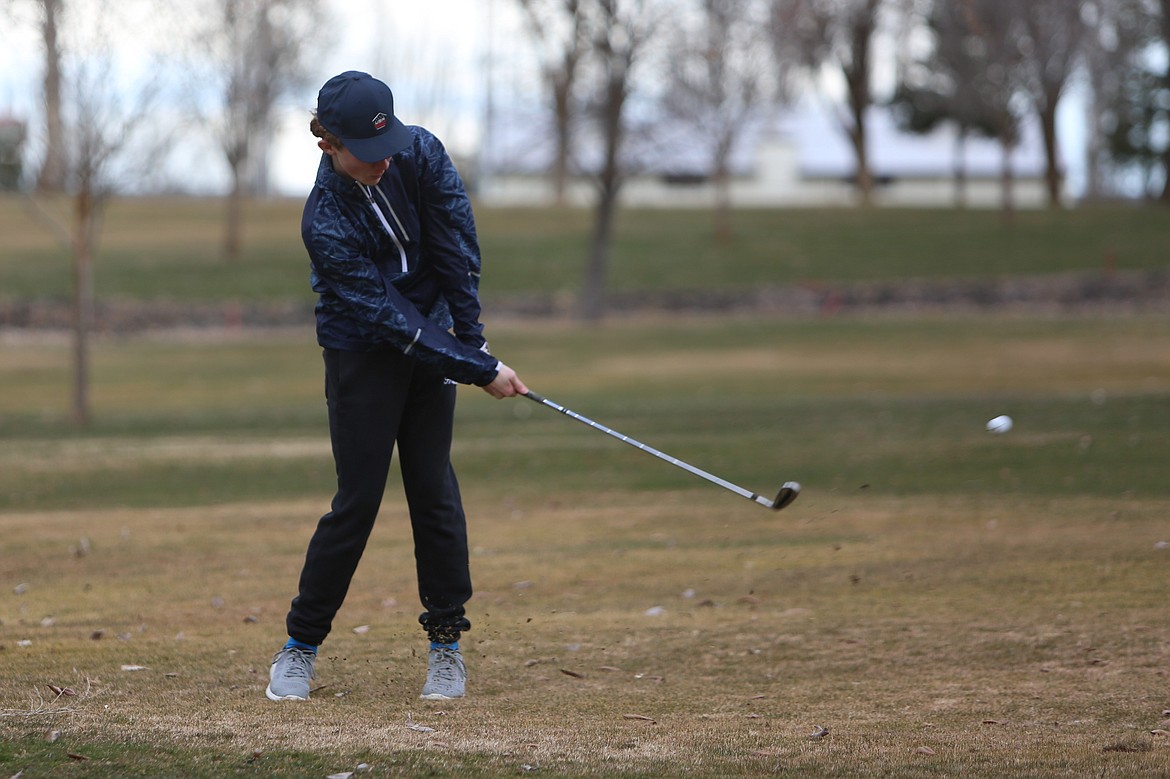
(359, 110)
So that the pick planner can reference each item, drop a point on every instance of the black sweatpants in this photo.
(376, 399)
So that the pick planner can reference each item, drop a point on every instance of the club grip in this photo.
(533, 396)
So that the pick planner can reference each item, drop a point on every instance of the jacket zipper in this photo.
(386, 225)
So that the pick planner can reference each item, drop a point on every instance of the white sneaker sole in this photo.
(438, 696)
(274, 697)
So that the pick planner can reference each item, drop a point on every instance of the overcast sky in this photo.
(432, 54)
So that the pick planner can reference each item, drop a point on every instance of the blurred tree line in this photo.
(614, 75)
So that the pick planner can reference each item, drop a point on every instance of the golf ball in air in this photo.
(1000, 424)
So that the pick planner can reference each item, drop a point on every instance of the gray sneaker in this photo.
(288, 679)
(446, 675)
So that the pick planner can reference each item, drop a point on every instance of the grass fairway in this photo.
(169, 248)
(944, 601)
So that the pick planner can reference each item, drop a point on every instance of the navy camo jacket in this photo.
(397, 266)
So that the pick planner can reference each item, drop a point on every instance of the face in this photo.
(368, 173)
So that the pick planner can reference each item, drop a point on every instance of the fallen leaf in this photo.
(573, 674)
(361, 630)
(608, 668)
(52, 736)
(75, 756)
(97, 635)
(924, 751)
(135, 668)
(640, 718)
(1159, 732)
(993, 722)
(412, 725)
(818, 733)
(342, 775)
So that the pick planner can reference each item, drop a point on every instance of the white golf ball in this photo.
(1000, 424)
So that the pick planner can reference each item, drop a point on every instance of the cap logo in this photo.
(380, 122)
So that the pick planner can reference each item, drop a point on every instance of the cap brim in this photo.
(396, 138)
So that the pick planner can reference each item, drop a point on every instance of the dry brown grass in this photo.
(930, 636)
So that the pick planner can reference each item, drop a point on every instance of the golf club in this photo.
(788, 491)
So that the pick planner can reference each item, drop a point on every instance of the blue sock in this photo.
(300, 645)
(453, 645)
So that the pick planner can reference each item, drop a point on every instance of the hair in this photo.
(318, 129)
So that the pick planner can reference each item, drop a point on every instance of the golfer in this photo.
(395, 262)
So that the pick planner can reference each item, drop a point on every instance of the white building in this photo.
(803, 160)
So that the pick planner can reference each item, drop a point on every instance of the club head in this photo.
(786, 495)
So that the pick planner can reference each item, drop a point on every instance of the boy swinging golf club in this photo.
(395, 262)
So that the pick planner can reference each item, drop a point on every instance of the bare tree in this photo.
(260, 49)
(102, 121)
(991, 38)
(620, 31)
(944, 84)
(559, 28)
(49, 18)
(1124, 104)
(1054, 38)
(716, 84)
(837, 34)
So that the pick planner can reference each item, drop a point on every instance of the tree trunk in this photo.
(961, 168)
(597, 271)
(857, 75)
(857, 138)
(721, 179)
(1007, 184)
(562, 96)
(600, 250)
(1165, 197)
(83, 232)
(233, 226)
(1053, 175)
(54, 169)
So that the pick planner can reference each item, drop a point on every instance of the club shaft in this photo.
(651, 450)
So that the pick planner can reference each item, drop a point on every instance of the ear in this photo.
(326, 147)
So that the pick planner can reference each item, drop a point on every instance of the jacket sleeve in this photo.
(452, 245)
(380, 311)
